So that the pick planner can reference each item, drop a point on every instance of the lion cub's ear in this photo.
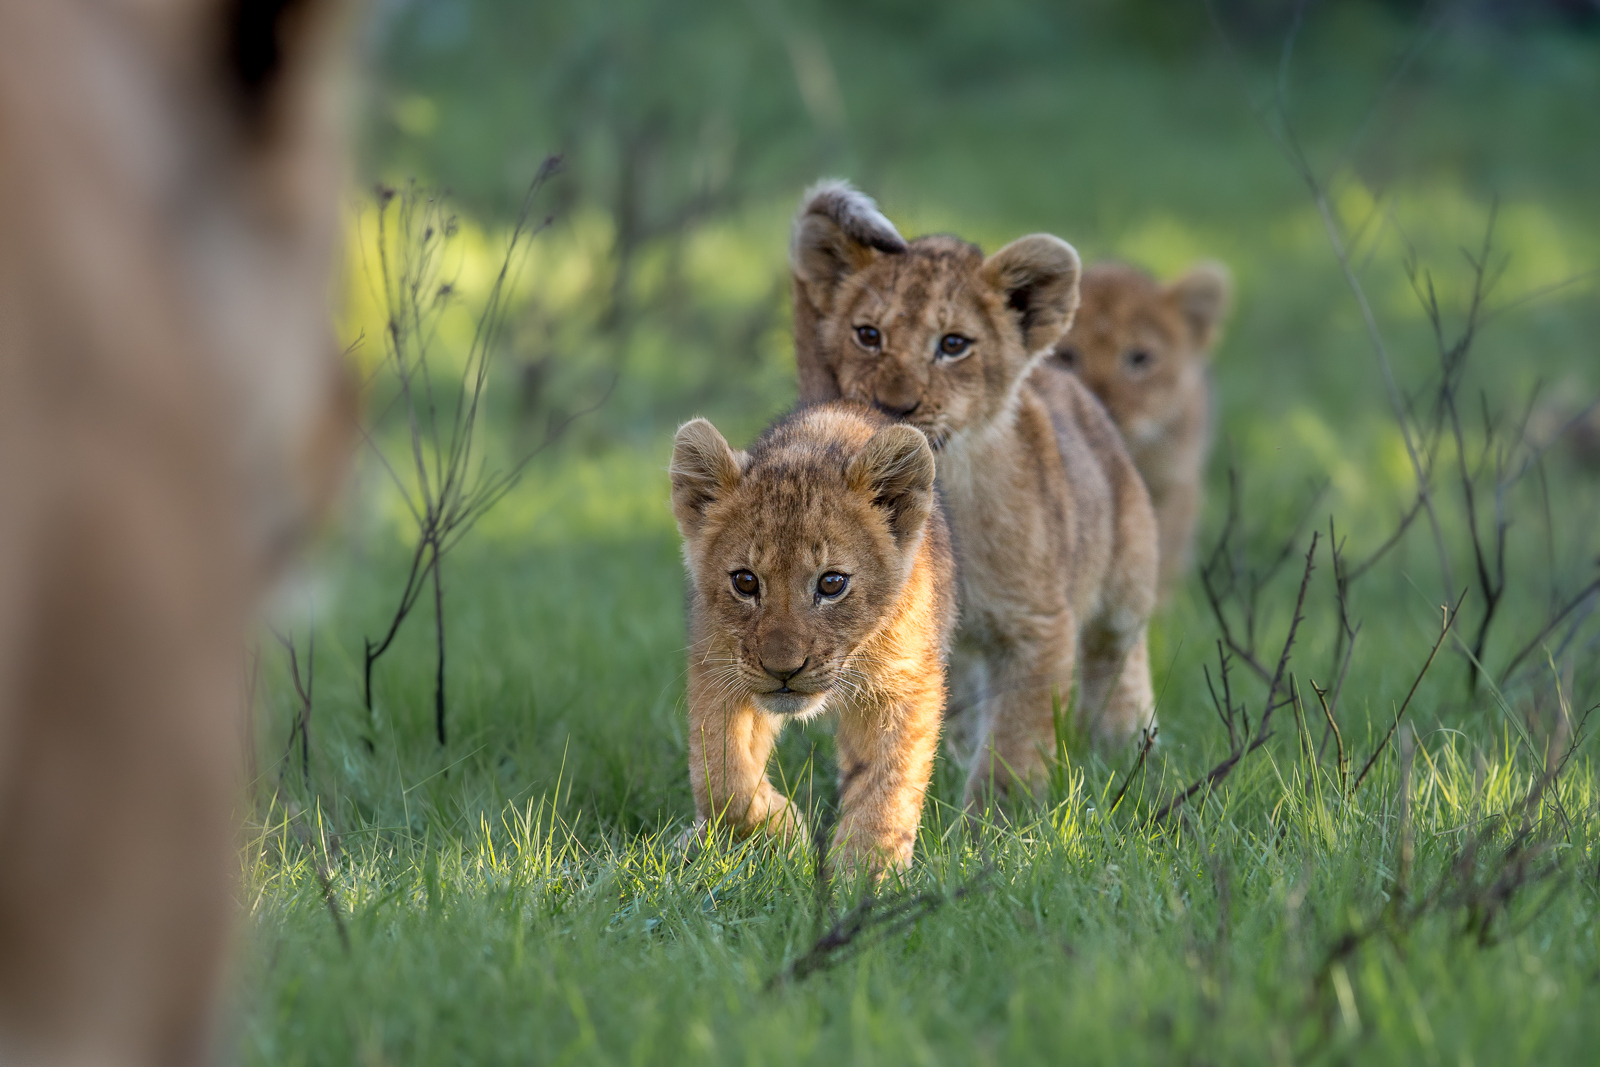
(703, 468)
(897, 468)
(837, 232)
(1204, 296)
(1038, 275)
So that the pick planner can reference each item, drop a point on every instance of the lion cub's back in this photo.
(1116, 518)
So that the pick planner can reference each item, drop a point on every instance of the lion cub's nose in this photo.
(896, 408)
(779, 669)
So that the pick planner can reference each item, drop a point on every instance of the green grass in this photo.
(513, 897)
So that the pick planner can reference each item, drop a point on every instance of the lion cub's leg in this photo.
(1020, 729)
(964, 714)
(729, 745)
(1115, 699)
(885, 760)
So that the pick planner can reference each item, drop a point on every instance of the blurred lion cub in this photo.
(1143, 349)
(820, 580)
(1052, 527)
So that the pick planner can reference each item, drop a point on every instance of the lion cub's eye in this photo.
(745, 583)
(1068, 358)
(952, 345)
(832, 584)
(869, 337)
(1139, 359)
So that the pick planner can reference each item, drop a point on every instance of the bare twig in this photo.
(1444, 631)
(1148, 742)
(889, 914)
(303, 688)
(1213, 777)
(1555, 620)
(1338, 736)
(454, 486)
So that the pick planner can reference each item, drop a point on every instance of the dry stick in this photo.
(1452, 363)
(408, 598)
(301, 727)
(1144, 750)
(438, 618)
(1589, 590)
(891, 914)
(302, 835)
(1255, 581)
(1227, 702)
(1338, 737)
(1444, 631)
(333, 905)
(454, 491)
(1225, 768)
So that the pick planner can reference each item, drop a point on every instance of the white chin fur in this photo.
(798, 705)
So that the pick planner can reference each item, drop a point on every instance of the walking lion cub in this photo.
(820, 579)
(1053, 531)
(1143, 348)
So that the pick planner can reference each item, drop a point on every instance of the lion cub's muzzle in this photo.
(800, 690)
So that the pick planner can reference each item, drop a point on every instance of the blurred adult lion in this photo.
(172, 416)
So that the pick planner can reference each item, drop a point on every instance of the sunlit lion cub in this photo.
(1052, 527)
(820, 579)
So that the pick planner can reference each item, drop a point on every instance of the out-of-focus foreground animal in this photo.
(1054, 537)
(1144, 349)
(173, 413)
(820, 579)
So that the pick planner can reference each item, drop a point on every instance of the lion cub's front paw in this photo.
(784, 826)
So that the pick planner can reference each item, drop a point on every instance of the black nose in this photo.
(894, 412)
(783, 674)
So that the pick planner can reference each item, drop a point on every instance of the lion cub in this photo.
(1143, 348)
(820, 579)
(1054, 535)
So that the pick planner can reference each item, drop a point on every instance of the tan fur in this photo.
(172, 413)
(1053, 532)
(1143, 348)
(832, 489)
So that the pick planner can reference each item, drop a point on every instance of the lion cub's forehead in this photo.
(800, 511)
(1121, 303)
(933, 278)
(793, 504)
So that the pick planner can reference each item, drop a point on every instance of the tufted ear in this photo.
(1204, 296)
(896, 468)
(703, 468)
(837, 231)
(1038, 276)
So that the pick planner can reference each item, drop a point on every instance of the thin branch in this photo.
(1145, 746)
(1444, 631)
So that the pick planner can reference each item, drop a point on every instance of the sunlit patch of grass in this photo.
(522, 928)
